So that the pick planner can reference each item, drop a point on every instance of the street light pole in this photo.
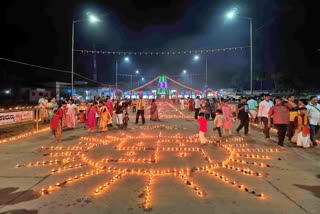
(231, 15)
(116, 74)
(206, 85)
(72, 55)
(251, 79)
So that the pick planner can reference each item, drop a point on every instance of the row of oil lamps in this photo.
(21, 136)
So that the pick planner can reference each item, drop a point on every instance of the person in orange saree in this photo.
(302, 134)
(104, 117)
(55, 123)
(154, 116)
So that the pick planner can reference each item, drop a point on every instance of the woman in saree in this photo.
(104, 117)
(71, 114)
(56, 122)
(91, 122)
(50, 107)
(154, 111)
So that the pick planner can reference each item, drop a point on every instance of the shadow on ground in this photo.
(8, 196)
(314, 189)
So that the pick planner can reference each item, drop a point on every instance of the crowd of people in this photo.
(96, 115)
(297, 120)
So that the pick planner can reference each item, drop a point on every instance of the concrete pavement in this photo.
(157, 168)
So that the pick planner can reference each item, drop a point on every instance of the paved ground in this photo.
(157, 168)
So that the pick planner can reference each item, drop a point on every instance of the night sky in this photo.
(284, 46)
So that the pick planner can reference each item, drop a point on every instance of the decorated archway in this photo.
(162, 89)
(117, 93)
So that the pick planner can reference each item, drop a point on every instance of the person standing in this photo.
(227, 113)
(71, 114)
(197, 107)
(109, 106)
(119, 113)
(253, 105)
(141, 106)
(293, 112)
(280, 114)
(51, 106)
(314, 118)
(303, 129)
(264, 107)
(91, 121)
(104, 117)
(43, 113)
(202, 128)
(154, 111)
(56, 122)
(182, 104)
(134, 105)
(243, 116)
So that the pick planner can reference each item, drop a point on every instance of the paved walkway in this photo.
(158, 168)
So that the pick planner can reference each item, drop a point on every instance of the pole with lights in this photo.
(126, 59)
(92, 19)
(230, 15)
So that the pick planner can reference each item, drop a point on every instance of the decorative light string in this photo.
(163, 52)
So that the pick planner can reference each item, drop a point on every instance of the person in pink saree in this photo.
(71, 114)
(154, 111)
(227, 112)
(91, 122)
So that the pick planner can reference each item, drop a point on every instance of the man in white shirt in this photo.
(197, 107)
(314, 118)
(264, 107)
(182, 104)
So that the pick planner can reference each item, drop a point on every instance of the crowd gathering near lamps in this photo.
(140, 155)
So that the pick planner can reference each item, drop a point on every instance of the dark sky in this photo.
(39, 32)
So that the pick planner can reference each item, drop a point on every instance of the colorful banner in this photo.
(15, 117)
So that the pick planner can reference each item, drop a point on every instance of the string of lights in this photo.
(179, 52)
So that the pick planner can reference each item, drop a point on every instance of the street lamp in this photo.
(92, 19)
(196, 58)
(131, 75)
(126, 59)
(230, 15)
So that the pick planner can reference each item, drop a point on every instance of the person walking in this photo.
(243, 116)
(56, 122)
(202, 128)
(264, 107)
(227, 113)
(280, 114)
(218, 122)
(140, 109)
(197, 107)
(293, 112)
(314, 118)
(253, 105)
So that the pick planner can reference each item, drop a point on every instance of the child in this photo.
(302, 129)
(218, 121)
(202, 128)
(82, 116)
(125, 120)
